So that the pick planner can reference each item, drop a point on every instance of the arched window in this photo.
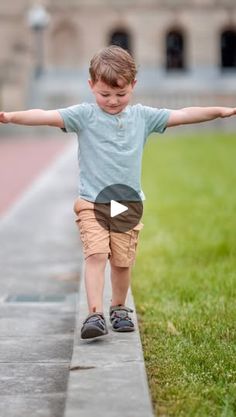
(228, 49)
(175, 54)
(120, 38)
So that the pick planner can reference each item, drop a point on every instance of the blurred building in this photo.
(185, 50)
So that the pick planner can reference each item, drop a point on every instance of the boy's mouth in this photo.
(114, 109)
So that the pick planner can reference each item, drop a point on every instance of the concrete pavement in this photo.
(46, 369)
(40, 259)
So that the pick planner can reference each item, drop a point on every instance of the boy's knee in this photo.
(97, 258)
(120, 268)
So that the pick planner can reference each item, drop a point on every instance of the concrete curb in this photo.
(107, 375)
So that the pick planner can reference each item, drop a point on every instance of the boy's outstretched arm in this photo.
(35, 117)
(190, 115)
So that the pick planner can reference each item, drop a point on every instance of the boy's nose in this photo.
(113, 101)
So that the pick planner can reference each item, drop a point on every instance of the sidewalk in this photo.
(46, 369)
(39, 272)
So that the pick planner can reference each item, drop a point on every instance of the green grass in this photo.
(184, 280)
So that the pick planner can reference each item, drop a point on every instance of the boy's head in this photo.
(112, 71)
(113, 65)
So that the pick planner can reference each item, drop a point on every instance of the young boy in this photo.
(111, 136)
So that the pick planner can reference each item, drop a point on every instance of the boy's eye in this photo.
(107, 95)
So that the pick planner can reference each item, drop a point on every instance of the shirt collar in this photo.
(123, 112)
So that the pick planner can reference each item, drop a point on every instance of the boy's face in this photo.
(112, 99)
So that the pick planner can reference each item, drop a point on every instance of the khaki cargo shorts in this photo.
(119, 247)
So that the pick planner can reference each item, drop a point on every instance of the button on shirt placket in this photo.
(120, 127)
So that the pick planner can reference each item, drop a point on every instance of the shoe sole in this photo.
(123, 329)
(92, 331)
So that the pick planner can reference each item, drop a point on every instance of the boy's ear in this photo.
(91, 84)
(133, 83)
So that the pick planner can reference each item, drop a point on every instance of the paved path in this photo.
(40, 259)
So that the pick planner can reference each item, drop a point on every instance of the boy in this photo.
(111, 137)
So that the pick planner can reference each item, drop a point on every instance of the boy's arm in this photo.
(190, 115)
(35, 117)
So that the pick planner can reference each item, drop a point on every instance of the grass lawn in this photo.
(184, 280)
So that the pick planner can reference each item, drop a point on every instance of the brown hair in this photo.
(112, 64)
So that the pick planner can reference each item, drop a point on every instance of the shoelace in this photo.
(121, 313)
(94, 317)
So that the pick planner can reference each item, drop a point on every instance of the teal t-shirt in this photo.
(111, 146)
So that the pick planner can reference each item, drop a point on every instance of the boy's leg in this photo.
(119, 317)
(96, 249)
(123, 249)
(120, 282)
(94, 281)
(95, 324)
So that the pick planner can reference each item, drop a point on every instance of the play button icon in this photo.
(118, 208)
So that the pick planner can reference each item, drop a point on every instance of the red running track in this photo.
(21, 162)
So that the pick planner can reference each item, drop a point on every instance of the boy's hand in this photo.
(227, 112)
(3, 117)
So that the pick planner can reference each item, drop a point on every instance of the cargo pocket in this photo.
(83, 234)
(134, 234)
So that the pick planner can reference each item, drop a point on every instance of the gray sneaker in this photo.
(120, 319)
(94, 326)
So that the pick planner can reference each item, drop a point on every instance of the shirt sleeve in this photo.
(155, 119)
(75, 117)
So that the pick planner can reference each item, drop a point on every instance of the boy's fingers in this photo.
(230, 112)
(2, 117)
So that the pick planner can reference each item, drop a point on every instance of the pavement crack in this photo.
(81, 368)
